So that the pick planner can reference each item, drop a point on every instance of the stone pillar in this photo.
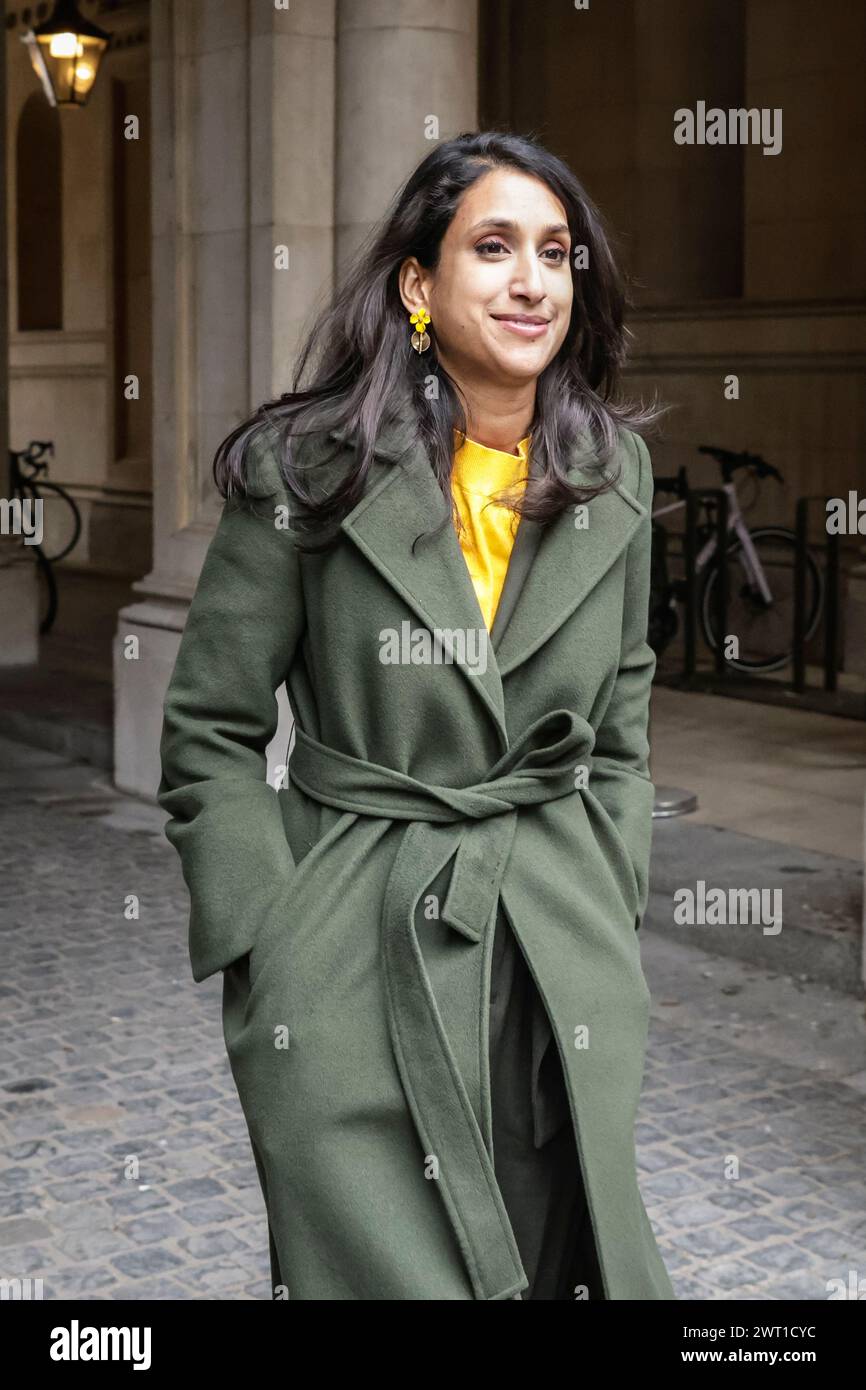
(19, 584)
(399, 64)
(805, 208)
(242, 101)
(4, 296)
(688, 199)
(247, 117)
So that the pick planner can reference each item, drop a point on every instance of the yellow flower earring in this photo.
(420, 338)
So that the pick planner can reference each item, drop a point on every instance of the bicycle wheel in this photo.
(764, 631)
(47, 591)
(61, 519)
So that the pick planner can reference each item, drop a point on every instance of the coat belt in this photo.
(475, 825)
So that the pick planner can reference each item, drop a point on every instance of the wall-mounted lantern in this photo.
(66, 51)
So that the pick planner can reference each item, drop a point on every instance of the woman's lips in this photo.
(524, 325)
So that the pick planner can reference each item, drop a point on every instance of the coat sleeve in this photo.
(620, 774)
(220, 714)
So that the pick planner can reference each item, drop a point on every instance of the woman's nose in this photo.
(528, 282)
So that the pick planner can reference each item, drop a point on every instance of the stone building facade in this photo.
(272, 137)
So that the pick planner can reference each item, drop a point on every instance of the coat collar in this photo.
(563, 562)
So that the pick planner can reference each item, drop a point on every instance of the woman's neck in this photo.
(499, 419)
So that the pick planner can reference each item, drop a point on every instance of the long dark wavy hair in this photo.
(357, 368)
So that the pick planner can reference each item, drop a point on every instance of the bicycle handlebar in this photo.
(730, 462)
(36, 448)
(32, 455)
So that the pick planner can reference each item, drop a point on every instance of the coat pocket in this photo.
(271, 935)
(272, 946)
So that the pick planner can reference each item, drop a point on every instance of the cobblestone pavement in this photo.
(125, 1169)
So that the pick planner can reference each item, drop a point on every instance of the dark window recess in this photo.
(39, 216)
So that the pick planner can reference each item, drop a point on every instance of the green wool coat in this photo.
(433, 784)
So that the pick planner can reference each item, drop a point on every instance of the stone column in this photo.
(242, 97)
(19, 585)
(4, 295)
(406, 78)
(689, 200)
(247, 119)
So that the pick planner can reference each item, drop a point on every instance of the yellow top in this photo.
(489, 531)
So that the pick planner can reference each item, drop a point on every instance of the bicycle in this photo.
(760, 578)
(26, 484)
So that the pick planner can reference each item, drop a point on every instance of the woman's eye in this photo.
(494, 247)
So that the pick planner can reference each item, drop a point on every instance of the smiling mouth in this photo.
(525, 325)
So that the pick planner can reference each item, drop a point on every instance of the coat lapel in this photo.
(552, 568)
(567, 564)
(399, 505)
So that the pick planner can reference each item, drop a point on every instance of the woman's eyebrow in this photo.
(507, 224)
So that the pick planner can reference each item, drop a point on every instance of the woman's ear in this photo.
(411, 286)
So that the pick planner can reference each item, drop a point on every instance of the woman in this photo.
(433, 1000)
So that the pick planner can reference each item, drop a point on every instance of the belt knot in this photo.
(540, 765)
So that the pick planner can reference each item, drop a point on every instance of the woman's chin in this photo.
(524, 362)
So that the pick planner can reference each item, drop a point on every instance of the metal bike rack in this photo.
(826, 698)
(677, 801)
(831, 598)
(694, 497)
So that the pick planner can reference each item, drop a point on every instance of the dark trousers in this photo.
(536, 1162)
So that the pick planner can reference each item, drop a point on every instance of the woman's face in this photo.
(500, 298)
